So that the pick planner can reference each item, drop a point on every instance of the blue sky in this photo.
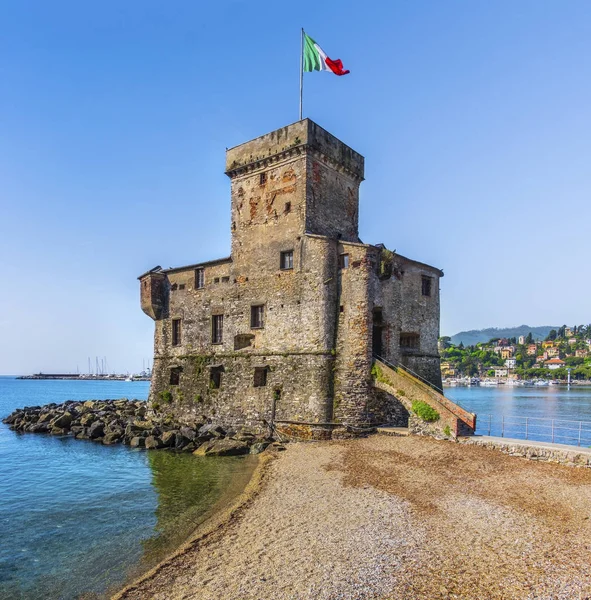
(474, 118)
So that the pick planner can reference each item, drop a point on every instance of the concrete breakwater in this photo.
(133, 423)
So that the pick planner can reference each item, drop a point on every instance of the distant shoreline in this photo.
(77, 377)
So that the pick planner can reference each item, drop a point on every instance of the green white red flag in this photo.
(315, 58)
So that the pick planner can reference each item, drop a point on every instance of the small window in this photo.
(343, 261)
(262, 179)
(287, 207)
(426, 285)
(175, 375)
(217, 325)
(342, 308)
(225, 279)
(182, 286)
(215, 377)
(216, 279)
(199, 279)
(173, 287)
(257, 316)
(409, 341)
(176, 332)
(260, 376)
(286, 261)
(243, 340)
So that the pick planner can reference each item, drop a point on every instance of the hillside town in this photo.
(563, 357)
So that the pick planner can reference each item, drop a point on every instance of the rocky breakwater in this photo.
(133, 423)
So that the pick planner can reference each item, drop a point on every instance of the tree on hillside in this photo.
(551, 335)
(561, 331)
(445, 341)
(529, 339)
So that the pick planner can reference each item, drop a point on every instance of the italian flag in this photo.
(315, 58)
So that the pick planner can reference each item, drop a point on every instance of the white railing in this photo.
(558, 431)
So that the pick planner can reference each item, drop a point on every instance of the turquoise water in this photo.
(508, 407)
(78, 518)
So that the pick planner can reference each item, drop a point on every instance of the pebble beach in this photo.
(390, 517)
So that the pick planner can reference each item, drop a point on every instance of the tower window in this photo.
(257, 316)
(262, 179)
(215, 377)
(409, 341)
(175, 375)
(287, 207)
(343, 261)
(260, 376)
(217, 325)
(426, 285)
(176, 332)
(286, 260)
(199, 279)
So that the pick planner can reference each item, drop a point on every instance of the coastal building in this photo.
(448, 370)
(554, 363)
(553, 352)
(521, 340)
(532, 349)
(507, 351)
(511, 363)
(581, 352)
(547, 344)
(500, 371)
(285, 328)
(572, 341)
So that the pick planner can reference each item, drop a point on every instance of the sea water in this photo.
(554, 413)
(78, 519)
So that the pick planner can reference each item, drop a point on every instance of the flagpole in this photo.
(301, 73)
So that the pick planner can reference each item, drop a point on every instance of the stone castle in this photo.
(283, 332)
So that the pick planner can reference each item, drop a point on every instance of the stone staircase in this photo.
(453, 421)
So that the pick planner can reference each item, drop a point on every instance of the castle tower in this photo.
(295, 180)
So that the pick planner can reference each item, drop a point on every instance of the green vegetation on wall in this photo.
(424, 411)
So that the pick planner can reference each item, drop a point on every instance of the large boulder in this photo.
(112, 438)
(63, 421)
(188, 432)
(88, 418)
(153, 443)
(222, 448)
(211, 430)
(137, 442)
(169, 438)
(97, 430)
(259, 447)
(181, 441)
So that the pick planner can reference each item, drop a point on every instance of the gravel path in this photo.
(396, 518)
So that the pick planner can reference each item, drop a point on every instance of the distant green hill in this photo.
(475, 336)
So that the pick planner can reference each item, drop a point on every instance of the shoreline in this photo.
(220, 518)
(378, 518)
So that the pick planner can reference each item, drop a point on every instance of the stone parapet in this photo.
(306, 135)
(573, 456)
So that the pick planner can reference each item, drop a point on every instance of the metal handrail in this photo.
(523, 426)
(399, 365)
